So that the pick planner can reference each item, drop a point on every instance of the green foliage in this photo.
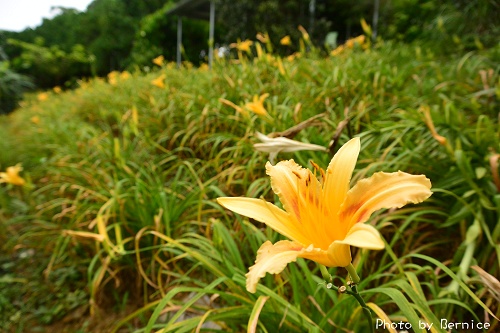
(446, 26)
(157, 35)
(123, 177)
(244, 19)
(12, 87)
(51, 66)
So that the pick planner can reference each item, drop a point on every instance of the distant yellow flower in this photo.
(42, 96)
(203, 67)
(293, 56)
(360, 40)
(57, 89)
(350, 44)
(11, 176)
(286, 40)
(257, 105)
(159, 60)
(159, 81)
(112, 77)
(35, 120)
(242, 46)
(338, 50)
(323, 217)
(124, 75)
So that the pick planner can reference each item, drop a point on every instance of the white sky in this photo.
(17, 15)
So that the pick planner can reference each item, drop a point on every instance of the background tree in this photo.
(12, 85)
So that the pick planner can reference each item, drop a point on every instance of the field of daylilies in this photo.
(136, 202)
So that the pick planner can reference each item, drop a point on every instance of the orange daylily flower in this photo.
(11, 175)
(323, 217)
(257, 105)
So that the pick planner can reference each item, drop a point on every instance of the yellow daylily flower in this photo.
(35, 120)
(323, 218)
(112, 77)
(160, 60)
(286, 40)
(57, 89)
(11, 175)
(42, 96)
(124, 75)
(203, 67)
(159, 81)
(243, 46)
(350, 44)
(257, 105)
(360, 40)
(338, 50)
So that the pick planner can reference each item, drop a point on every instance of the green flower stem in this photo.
(366, 309)
(324, 272)
(352, 272)
(353, 292)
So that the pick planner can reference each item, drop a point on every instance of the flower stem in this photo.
(325, 273)
(352, 272)
(353, 292)
(366, 309)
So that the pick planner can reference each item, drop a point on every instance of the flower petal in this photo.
(339, 255)
(338, 175)
(282, 144)
(363, 236)
(285, 182)
(300, 193)
(383, 190)
(267, 213)
(271, 258)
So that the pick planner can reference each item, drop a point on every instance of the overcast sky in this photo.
(17, 15)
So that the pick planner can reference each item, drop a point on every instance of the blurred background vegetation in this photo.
(126, 34)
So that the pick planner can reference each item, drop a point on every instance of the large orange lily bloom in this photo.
(323, 218)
